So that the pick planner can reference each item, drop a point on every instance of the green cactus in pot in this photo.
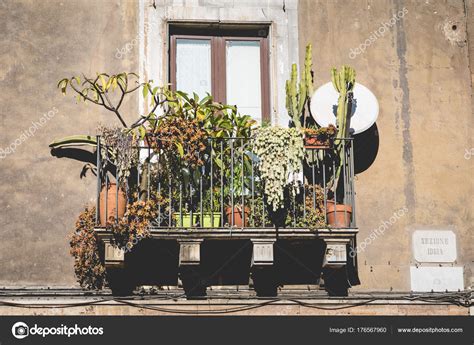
(343, 81)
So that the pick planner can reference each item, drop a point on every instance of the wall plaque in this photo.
(426, 279)
(434, 246)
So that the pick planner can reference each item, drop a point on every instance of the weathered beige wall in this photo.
(419, 71)
(42, 42)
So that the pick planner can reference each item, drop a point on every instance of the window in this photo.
(229, 63)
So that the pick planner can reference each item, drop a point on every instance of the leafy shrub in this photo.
(88, 267)
(180, 137)
(134, 225)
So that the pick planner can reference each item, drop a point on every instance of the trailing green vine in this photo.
(280, 151)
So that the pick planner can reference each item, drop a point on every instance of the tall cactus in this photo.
(308, 72)
(343, 81)
(298, 93)
(292, 97)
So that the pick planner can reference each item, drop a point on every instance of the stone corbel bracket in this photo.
(190, 267)
(336, 253)
(190, 252)
(262, 254)
(114, 256)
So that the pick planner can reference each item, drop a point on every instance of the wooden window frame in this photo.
(218, 38)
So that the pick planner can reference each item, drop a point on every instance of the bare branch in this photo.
(85, 97)
(146, 118)
(121, 97)
(101, 94)
(135, 88)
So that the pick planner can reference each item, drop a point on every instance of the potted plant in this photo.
(119, 152)
(338, 213)
(307, 209)
(118, 146)
(298, 94)
(211, 220)
(109, 92)
(231, 133)
(236, 185)
(238, 216)
(211, 216)
(298, 105)
(178, 140)
(112, 203)
(179, 145)
(207, 219)
(134, 225)
(280, 152)
(319, 138)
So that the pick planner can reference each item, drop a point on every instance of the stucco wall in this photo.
(43, 42)
(419, 71)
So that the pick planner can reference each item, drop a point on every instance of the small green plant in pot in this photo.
(231, 157)
(234, 193)
(211, 216)
(211, 220)
(182, 218)
(206, 219)
(237, 190)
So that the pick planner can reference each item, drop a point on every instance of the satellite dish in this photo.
(365, 107)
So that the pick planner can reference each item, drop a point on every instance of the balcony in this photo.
(214, 224)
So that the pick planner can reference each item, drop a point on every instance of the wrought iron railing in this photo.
(219, 186)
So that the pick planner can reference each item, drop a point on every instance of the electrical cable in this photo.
(462, 299)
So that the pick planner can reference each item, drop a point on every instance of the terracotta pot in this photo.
(315, 143)
(112, 207)
(338, 216)
(237, 216)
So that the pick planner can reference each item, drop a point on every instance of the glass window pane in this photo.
(243, 77)
(193, 66)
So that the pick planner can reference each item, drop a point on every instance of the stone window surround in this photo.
(281, 15)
